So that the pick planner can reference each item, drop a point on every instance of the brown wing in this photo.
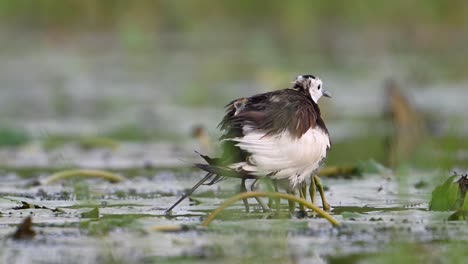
(271, 113)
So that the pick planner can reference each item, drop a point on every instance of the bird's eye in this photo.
(320, 86)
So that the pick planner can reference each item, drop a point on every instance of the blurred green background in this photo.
(152, 70)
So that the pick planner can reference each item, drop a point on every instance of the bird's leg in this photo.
(326, 205)
(292, 204)
(254, 188)
(242, 190)
(277, 200)
(303, 195)
(187, 194)
(270, 200)
(313, 189)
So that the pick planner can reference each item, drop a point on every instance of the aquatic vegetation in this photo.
(93, 213)
(10, 136)
(450, 195)
(112, 177)
(288, 197)
(108, 223)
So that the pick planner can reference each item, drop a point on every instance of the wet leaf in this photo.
(26, 205)
(108, 223)
(350, 215)
(94, 213)
(465, 203)
(459, 215)
(445, 196)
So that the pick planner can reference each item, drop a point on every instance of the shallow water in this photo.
(374, 214)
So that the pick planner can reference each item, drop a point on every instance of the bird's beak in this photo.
(326, 94)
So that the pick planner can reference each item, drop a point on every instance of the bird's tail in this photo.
(226, 172)
(215, 173)
(187, 194)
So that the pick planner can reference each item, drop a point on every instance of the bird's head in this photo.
(311, 85)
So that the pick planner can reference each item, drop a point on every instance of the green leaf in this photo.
(445, 196)
(462, 213)
(94, 213)
(465, 203)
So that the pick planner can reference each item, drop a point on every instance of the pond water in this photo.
(378, 215)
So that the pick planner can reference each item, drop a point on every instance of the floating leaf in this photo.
(26, 205)
(107, 223)
(112, 177)
(94, 213)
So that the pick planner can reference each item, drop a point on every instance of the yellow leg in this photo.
(272, 186)
(277, 200)
(326, 205)
(254, 188)
(303, 195)
(313, 190)
(242, 190)
(292, 205)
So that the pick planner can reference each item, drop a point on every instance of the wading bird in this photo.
(278, 135)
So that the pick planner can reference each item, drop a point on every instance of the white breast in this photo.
(282, 155)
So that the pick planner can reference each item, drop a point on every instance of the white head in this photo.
(312, 85)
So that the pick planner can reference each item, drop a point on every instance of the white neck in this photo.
(314, 95)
